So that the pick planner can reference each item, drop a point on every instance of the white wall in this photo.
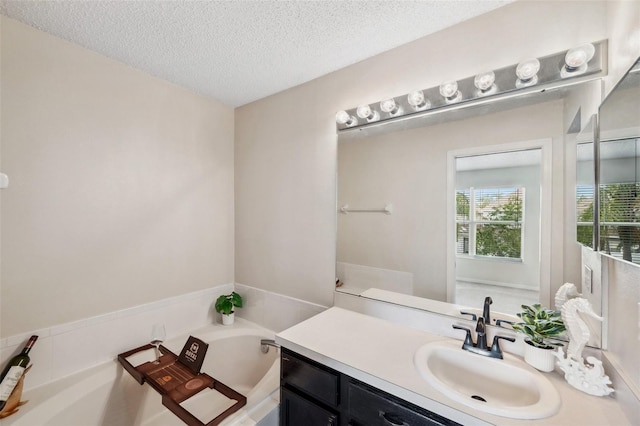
(121, 185)
(286, 144)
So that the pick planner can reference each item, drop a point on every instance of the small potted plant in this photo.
(539, 325)
(225, 304)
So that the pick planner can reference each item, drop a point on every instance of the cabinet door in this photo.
(369, 406)
(311, 378)
(298, 411)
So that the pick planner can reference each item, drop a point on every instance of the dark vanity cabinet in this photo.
(313, 394)
(309, 392)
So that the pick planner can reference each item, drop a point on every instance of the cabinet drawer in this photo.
(371, 407)
(297, 411)
(311, 378)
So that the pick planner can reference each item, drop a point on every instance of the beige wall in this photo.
(121, 186)
(285, 144)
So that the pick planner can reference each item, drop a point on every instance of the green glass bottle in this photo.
(13, 371)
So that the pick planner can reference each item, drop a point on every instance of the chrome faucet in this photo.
(480, 346)
(265, 343)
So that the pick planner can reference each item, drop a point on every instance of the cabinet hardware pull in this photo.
(393, 419)
(284, 358)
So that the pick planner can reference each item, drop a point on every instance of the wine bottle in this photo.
(13, 371)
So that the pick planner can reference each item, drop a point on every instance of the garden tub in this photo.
(107, 395)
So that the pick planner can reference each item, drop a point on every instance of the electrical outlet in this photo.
(587, 280)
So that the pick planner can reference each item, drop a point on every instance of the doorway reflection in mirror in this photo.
(498, 215)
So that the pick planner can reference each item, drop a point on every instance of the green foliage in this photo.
(539, 325)
(503, 240)
(226, 303)
(585, 232)
(462, 204)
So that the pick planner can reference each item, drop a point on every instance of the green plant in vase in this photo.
(226, 304)
(540, 325)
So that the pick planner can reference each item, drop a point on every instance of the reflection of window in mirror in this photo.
(619, 193)
(489, 222)
(498, 224)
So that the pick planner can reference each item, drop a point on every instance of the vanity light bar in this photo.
(561, 69)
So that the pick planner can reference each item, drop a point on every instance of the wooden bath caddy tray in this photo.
(176, 382)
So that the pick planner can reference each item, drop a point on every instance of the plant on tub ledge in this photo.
(539, 325)
(225, 304)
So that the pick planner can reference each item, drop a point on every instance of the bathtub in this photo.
(107, 395)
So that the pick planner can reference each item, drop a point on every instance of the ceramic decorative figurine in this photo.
(565, 292)
(588, 377)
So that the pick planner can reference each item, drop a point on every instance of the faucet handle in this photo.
(495, 348)
(473, 316)
(468, 341)
(499, 322)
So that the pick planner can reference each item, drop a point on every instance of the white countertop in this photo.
(380, 353)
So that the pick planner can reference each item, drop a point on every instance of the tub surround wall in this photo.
(274, 311)
(121, 185)
(68, 348)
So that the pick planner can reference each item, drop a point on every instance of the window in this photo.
(489, 222)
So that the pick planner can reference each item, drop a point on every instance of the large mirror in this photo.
(397, 236)
(619, 169)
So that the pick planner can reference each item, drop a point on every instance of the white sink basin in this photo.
(505, 387)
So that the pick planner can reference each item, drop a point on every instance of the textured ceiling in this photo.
(240, 51)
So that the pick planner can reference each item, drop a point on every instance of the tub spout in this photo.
(265, 343)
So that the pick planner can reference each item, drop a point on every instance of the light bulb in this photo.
(343, 117)
(527, 72)
(579, 56)
(365, 111)
(576, 60)
(485, 80)
(417, 100)
(450, 92)
(389, 106)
